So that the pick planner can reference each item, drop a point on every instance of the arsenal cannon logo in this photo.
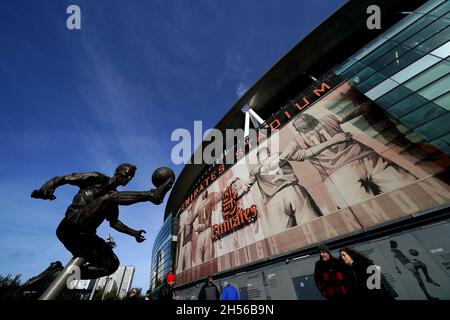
(234, 216)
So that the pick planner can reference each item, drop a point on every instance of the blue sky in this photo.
(112, 92)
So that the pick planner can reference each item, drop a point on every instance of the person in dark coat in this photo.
(360, 273)
(148, 295)
(133, 295)
(209, 291)
(166, 293)
(331, 276)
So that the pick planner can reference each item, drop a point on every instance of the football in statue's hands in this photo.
(161, 175)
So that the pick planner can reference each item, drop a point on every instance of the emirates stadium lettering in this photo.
(235, 217)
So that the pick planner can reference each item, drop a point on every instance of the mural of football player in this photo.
(228, 243)
(206, 204)
(414, 266)
(185, 255)
(288, 203)
(236, 179)
(255, 231)
(357, 171)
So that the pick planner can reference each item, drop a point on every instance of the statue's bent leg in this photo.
(78, 234)
(100, 257)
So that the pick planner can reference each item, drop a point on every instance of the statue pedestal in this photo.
(58, 285)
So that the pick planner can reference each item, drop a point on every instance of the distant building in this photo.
(120, 282)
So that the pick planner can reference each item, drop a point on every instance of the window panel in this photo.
(377, 53)
(406, 105)
(390, 56)
(413, 29)
(345, 66)
(435, 129)
(443, 101)
(365, 73)
(415, 68)
(427, 32)
(435, 72)
(353, 70)
(428, 6)
(381, 89)
(370, 83)
(400, 54)
(393, 96)
(394, 30)
(423, 114)
(443, 51)
(402, 24)
(401, 63)
(436, 41)
(442, 9)
(437, 88)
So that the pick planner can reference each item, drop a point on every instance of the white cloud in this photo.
(234, 69)
(241, 89)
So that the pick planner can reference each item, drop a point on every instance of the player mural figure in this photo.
(184, 261)
(204, 208)
(414, 266)
(96, 201)
(288, 203)
(355, 169)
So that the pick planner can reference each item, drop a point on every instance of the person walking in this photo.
(359, 265)
(209, 291)
(229, 292)
(133, 295)
(167, 293)
(331, 276)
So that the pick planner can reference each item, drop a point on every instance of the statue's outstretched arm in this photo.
(293, 153)
(77, 179)
(121, 227)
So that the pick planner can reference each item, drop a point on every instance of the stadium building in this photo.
(361, 118)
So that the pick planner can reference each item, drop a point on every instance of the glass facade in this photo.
(406, 71)
(163, 250)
